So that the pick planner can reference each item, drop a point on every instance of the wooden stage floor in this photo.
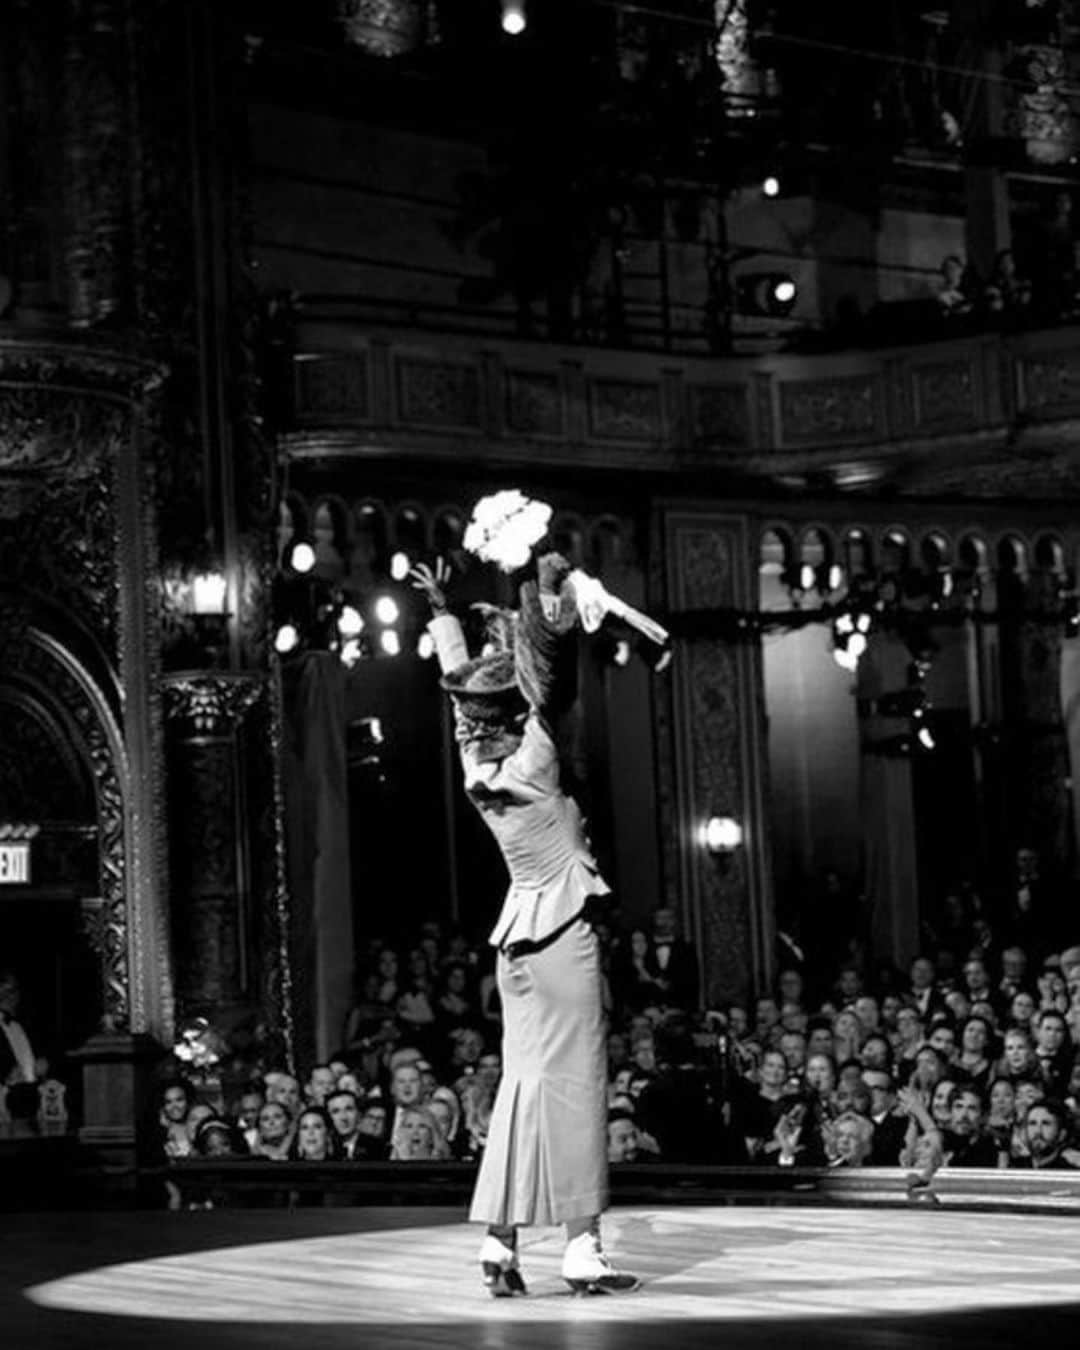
(721, 1275)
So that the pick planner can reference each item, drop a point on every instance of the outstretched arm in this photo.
(446, 631)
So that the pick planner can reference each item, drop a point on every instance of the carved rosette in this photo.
(210, 703)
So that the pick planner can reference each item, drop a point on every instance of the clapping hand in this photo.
(431, 583)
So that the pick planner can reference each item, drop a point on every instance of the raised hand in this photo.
(431, 583)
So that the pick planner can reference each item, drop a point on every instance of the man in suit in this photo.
(18, 1064)
(671, 961)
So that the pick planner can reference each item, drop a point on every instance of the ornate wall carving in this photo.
(1051, 382)
(624, 410)
(534, 404)
(829, 409)
(334, 386)
(438, 394)
(721, 414)
(944, 394)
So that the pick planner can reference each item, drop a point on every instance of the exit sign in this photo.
(14, 864)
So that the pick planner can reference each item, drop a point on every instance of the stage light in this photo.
(784, 292)
(621, 655)
(836, 577)
(844, 625)
(425, 647)
(926, 738)
(302, 558)
(350, 652)
(399, 566)
(513, 17)
(350, 622)
(765, 294)
(770, 187)
(863, 622)
(846, 659)
(386, 610)
(390, 642)
(807, 577)
(857, 645)
(286, 639)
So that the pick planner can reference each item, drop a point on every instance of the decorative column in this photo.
(712, 757)
(208, 837)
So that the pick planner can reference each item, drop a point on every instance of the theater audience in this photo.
(971, 1062)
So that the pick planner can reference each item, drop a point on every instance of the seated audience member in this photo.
(246, 1113)
(314, 1137)
(868, 1011)
(876, 1052)
(363, 1018)
(889, 1124)
(406, 1088)
(417, 1137)
(796, 1140)
(757, 1112)
(1028, 1092)
(388, 969)
(273, 1132)
(1001, 1119)
(373, 1128)
(623, 1142)
(1018, 1058)
(955, 294)
(819, 1038)
(967, 1142)
(923, 1150)
(908, 1041)
(343, 1108)
(849, 1140)
(1053, 1050)
(930, 1068)
(416, 1003)
(847, 1036)
(1007, 295)
(477, 1101)
(633, 975)
(976, 1052)
(1046, 1132)
(940, 1103)
(1013, 979)
(319, 1085)
(446, 1109)
(943, 1039)
(284, 1089)
(177, 1099)
(791, 988)
(923, 994)
(218, 1138)
(455, 1007)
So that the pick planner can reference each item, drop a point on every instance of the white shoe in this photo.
(499, 1266)
(587, 1270)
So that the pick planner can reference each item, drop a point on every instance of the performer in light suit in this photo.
(546, 1156)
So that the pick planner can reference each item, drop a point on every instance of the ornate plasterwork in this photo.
(37, 660)
(210, 703)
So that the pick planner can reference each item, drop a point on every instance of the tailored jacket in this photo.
(538, 827)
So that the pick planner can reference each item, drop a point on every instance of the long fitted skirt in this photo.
(546, 1155)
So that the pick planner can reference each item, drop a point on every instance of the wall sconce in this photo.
(722, 835)
(208, 593)
(208, 608)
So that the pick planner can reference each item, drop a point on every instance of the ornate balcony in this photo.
(957, 418)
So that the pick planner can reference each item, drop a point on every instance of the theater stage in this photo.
(757, 1275)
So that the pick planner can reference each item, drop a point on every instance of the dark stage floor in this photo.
(728, 1276)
